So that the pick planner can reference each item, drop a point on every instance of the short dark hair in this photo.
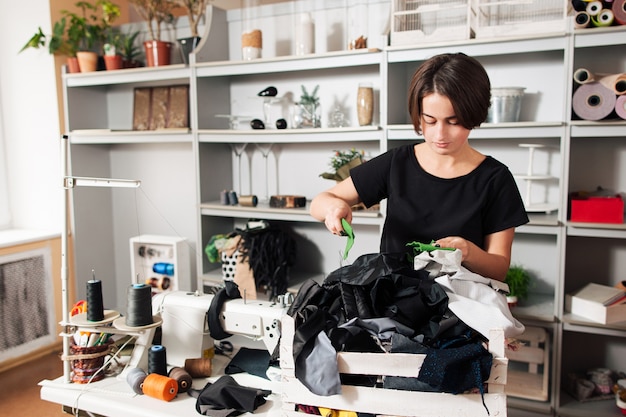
(460, 78)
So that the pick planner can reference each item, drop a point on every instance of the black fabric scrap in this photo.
(252, 361)
(225, 397)
(229, 292)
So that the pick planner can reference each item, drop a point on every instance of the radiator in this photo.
(26, 303)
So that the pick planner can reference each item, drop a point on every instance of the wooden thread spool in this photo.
(160, 387)
(198, 368)
(182, 377)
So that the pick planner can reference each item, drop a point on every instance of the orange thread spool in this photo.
(198, 368)
(160, 387)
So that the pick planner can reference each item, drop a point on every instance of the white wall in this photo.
(30, 118)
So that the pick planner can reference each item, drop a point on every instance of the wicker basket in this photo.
(86, 362)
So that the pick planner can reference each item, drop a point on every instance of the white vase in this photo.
(304, 34)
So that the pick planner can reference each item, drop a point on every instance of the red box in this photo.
(597, 209)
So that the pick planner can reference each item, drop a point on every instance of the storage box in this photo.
(391, 402)
(161, 262)
(496, 18)
(420, 21)
(596, 209)
(595, 311)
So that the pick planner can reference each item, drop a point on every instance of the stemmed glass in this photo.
(265, 151)
(238, 150)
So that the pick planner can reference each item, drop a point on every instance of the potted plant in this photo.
(342, 162)
(75, 33)
(155, 13)
(310, 110)
(195, 11)
(129, 49)
(518, 280)
(89, 28)
(112, 50)
(57, 43)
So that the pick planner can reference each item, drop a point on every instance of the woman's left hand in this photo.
(455, 242)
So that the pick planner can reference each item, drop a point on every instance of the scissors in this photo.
(79, 307)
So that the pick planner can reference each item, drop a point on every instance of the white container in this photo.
(423, 21)
(495, 18)
(506, 104)
(304, 32)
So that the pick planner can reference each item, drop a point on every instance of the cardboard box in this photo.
(596, 311)
(597, 209)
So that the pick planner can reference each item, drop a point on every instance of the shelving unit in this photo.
(183, 172)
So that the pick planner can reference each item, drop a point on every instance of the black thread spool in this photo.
(157, 360)
(95, 305)
(139, 305)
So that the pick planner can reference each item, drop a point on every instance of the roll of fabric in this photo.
(287, 201)
(620, 107)
(582, 20)
(584, 76)
(604, 19)
(594, 8)
(614, 82)
(619, 11)
(593, 101)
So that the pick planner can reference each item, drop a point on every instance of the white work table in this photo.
(113, 396)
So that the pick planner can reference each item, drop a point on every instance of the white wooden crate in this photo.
(531, 380)
(497, 18)
(390, 402)
(422, 21)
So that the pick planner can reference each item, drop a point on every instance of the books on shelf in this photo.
(599, 303)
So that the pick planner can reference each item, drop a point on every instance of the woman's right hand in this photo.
(335, 204)
(334, 215)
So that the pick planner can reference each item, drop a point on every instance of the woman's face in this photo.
(440, 126)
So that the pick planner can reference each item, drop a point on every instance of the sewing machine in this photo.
(185, 333)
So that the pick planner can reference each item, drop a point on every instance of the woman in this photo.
(441, 189)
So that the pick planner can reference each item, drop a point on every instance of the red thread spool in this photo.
(160, 387)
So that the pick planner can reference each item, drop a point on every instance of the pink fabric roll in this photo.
(620, 107)
(593, 101)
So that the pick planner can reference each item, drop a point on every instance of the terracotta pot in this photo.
(113, 62)
(72, 65)
(157, 53)
(88, 61)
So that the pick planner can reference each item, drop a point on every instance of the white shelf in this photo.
(480, 47)
(330, 60)
(107, 136)
(319, 135)
(169, 74)
(500, 131)
(263, 210)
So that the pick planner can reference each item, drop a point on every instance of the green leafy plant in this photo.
(519, 281)
(307, 98)
(75, 32)
(127, 46)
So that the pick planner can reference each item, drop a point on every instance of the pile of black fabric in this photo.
(380, 303)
